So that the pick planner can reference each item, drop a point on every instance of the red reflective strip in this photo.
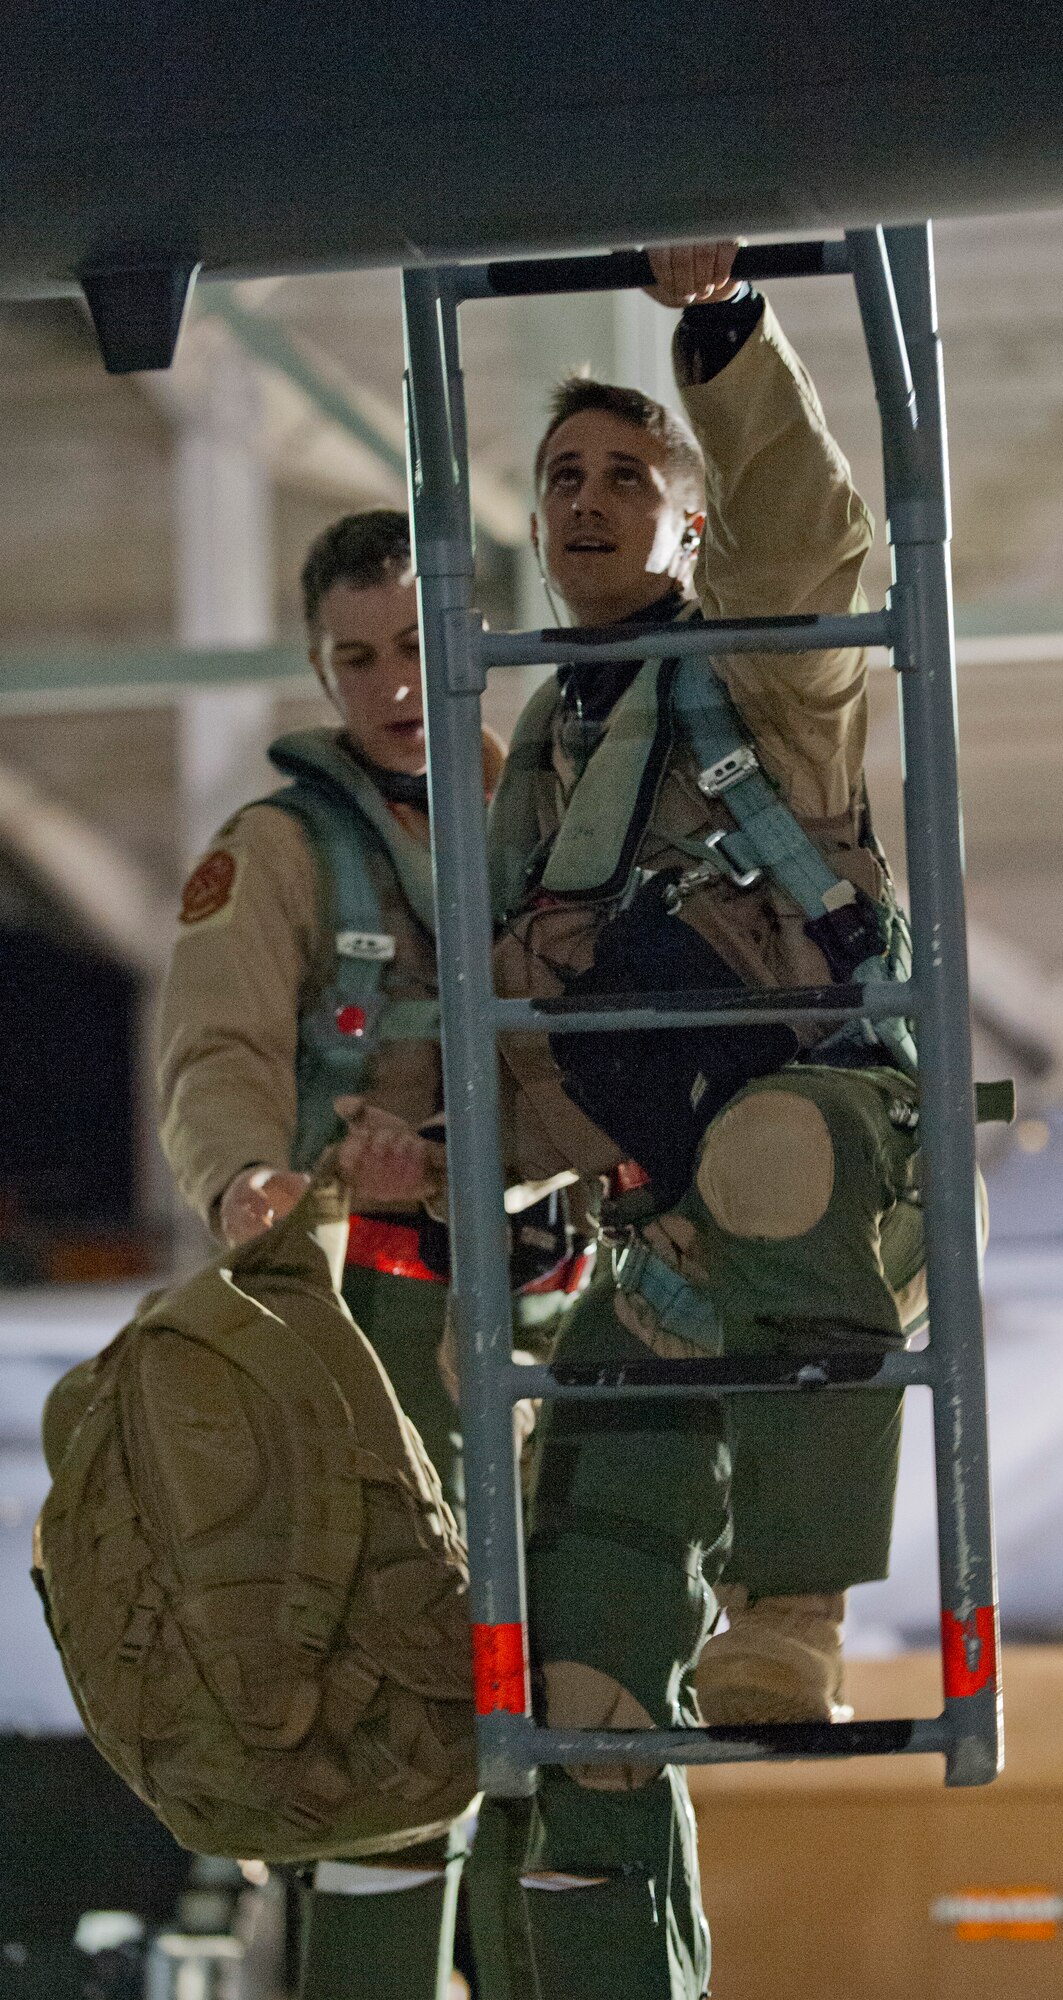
(625, 1178)
(579, 1268)
(1011, 1933)
(391, 1247)
(969, 1650)
(565, 1276)
(500, 1669)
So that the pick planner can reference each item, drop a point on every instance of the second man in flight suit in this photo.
(304, 968)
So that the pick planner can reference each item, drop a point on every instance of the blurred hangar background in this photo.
(151, 535)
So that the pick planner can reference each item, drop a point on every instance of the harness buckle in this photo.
(717, 866)
(849, 932)
(742, 878)
(728, 771)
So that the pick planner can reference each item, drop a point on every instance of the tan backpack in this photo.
(257, 1589)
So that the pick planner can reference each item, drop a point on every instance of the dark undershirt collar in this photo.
(590, 689)
(399, 788)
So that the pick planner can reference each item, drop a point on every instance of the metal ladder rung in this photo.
(739, 1375)
(627, 270)
(748, 635)
(879, 1000)
(748, 1743)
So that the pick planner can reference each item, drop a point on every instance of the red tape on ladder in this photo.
(500, 1669)
(969, 1650)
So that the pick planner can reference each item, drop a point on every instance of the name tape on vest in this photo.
(374, 945)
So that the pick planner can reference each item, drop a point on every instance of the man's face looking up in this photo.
(366, 653)
(611, 531)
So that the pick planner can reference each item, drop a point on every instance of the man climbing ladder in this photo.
(762, 1189)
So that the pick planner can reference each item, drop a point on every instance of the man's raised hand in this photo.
(693, 274)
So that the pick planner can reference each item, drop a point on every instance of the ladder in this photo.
(892, 269)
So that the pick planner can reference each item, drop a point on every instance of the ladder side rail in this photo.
(886, 347)
(917, 493)
(453, 682)
(744, 1375)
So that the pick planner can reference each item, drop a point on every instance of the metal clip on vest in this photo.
(893, 273)
(727, 771)
(719, 862)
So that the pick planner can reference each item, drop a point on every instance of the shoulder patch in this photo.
(209, 888)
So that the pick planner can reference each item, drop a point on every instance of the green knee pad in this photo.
(394, 1945)
(635, 1927)
(814, 1477)
(636, 1616)
(834, 1269)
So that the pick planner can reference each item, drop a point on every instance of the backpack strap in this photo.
(860, 939)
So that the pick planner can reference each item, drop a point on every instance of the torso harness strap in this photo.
(861, 940)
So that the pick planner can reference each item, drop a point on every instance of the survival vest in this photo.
(674, 865)
(256, 1587)
(350, 829)
(349, 826)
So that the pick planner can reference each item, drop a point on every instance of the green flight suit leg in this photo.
(814, 1477)
(397, 1944)
(628, 1529)
(404, 1319)
(394, 1944)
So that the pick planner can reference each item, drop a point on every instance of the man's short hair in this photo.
(361, 549)
(576, 393)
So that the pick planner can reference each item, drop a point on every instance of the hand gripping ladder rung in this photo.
(893, 273)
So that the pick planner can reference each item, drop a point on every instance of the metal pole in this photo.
(919, 527)
(884, 333)
(453, 683)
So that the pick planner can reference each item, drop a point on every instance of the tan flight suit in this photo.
(254, 949)
(785, 534)
(239, 979)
